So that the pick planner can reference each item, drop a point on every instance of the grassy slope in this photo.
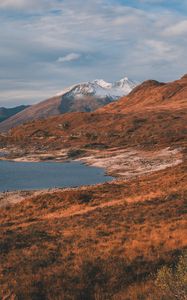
(148, 129)
(98, 240)
(153, 115)
(102, 242)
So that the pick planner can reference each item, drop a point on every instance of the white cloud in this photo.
(27, 4)
(159, 48)
(116, 41)
(15, 4)
(177, 29)
(69, 57)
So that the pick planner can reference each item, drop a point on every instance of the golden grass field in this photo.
(99, 242)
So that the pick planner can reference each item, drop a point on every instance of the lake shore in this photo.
(123, 164)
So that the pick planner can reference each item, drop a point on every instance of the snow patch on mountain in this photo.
(101, 88)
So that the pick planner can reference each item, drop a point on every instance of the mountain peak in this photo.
(82, 97)
(126, 85)
(100, 88)
(124, 79)
(184, 76)
(103, 83)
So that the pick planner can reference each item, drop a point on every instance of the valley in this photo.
(109, 240)
(82, 97)
(93, 150)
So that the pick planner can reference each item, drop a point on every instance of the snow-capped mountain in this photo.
(101, 88)
(82, 97)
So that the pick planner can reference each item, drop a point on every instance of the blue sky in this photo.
(47, 45)
(175, 5)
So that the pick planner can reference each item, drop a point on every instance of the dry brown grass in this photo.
(153, 115)
(153, 129)
(105, 241)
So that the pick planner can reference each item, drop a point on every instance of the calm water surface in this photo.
(41, 175)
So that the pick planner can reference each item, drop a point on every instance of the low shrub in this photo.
(173, 281)
(73, 153)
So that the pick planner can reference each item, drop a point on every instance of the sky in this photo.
(46, 45)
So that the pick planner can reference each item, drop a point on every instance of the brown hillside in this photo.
(152, 94)
(103, 242)
(89, 130)
(154, 114)
(53, 107)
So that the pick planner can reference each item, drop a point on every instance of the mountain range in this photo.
(82, 97)
(119, 237)
(6, 113)
(153, 113)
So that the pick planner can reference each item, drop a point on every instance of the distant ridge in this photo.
(152, 94)
(6, 113)
(82, 97)
(101, 88)
(154, 114)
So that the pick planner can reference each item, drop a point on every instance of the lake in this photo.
(42, 175)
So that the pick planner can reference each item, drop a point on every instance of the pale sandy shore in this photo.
(15, 154)
(127, 163)
(123, 164)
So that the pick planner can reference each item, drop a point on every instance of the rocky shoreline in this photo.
(123, 164)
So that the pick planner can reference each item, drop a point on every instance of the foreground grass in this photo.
(173, 281)
(103, 242)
